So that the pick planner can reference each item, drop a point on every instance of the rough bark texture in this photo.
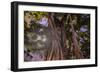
(56, 52)
(76, 49)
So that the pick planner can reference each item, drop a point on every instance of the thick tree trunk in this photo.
(55, 52)
(76, 49)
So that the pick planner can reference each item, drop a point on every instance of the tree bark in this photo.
(76, 48)
(55, 53)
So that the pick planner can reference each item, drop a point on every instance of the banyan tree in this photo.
(57, 40)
